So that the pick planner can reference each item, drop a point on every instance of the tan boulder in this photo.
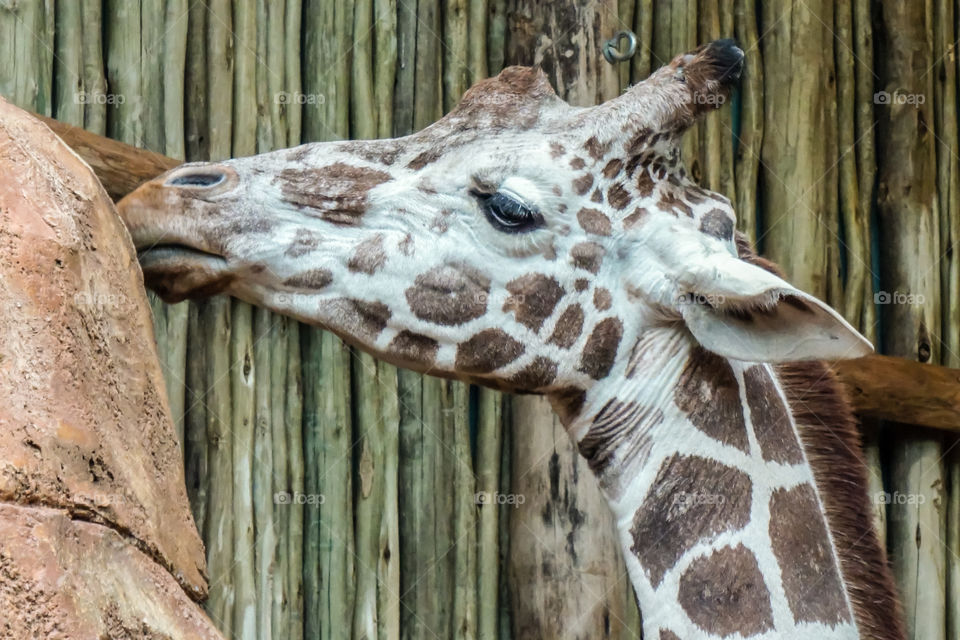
(85, 430)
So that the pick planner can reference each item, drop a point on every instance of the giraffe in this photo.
(534, 247)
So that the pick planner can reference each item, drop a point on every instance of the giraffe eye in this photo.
(508, 214)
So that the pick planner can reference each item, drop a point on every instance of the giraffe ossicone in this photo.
(531, 246)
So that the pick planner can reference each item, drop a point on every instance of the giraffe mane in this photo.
(828, 430)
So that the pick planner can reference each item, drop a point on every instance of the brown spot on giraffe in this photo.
(414, 347)
(717, 223)
(621, 430)
(568, 327)
(670, 202)
(423, 159)
(577, 163)
(449, 295)
(487, 351)
(556, 150)
(666, 634)
(369, 256)
(336, 193)
(581, 284)
(803, 549)
(644, 183)
(618, 197)
(533, 297)
(638, 142)
(612, 169)
(635, 218)
(582, 184)
(600, 350)
(602, 299)
(597, 196)
(724, 593)
(365, 319)
(382, 151)
(587, 255)
(595, 148)
(771, 421)
(313, 279)
(692, 499)
(708, 393)
(593, 221)
(304, 242)
(537, 375)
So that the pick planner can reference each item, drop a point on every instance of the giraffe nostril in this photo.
(200, 179)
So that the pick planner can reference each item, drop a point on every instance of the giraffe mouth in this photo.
(177, 271)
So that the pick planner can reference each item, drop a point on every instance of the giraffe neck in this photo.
(719, 518)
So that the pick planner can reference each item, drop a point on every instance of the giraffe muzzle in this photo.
(166, 218)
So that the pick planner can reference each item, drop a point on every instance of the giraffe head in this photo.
(517, 242)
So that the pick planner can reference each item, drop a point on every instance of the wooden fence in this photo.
(336, 495)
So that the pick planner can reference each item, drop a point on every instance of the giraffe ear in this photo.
(741, 311)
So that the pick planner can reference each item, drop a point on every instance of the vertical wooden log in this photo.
(909, 275)
(385, 64)
(196, 127)
(94, 82)
(294, 429)
(858, 286)
(799, 189)
(496, 35)
(218, 533)
(456, 54)
(364, 114)
(464, 509)
(489, 445)
(220, 78)
(750, 136)
(428, 90)
(196, 470)
(944, 74)
(244, 143)
(175, 29)
(642, 64)
(564, 527)
(292, 52)
(26, 39)
(477, 55)
(241, 436)
(370, 395)
(406, 68)
(265, 529)
(69, 94)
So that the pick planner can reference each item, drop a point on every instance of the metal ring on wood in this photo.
(611, 48)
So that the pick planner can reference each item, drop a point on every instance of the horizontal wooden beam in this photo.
(903, 390)
(879, 386)
(120, 167)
